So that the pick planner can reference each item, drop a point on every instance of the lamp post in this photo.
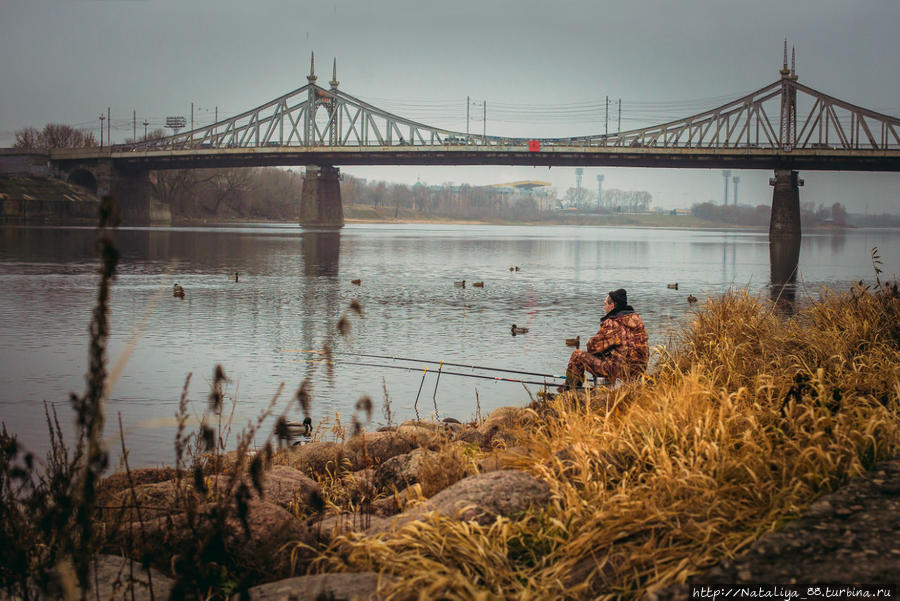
(102, 119)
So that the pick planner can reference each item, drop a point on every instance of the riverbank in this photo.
(368, 214)
(41, 200)
(744, 423)
(36, 199)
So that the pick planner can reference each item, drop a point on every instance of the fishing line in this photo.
(508, 371)
(452, 373)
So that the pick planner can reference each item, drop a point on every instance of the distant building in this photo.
(515, 192)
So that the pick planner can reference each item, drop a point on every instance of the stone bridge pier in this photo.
(785, 221)
(132, 190)
(320, 203)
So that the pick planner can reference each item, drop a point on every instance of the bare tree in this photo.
(54, 135)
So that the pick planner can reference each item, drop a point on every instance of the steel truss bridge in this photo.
(313, 125)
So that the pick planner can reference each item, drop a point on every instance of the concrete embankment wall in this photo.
(28, 195)
(42, 200)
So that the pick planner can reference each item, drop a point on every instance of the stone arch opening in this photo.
(83, 178)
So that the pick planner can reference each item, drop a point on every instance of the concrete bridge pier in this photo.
(785, 221)
(784, 257)
(133, 193)
(320, 203)
(132, 190)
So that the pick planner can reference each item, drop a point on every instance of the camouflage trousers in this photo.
(582, 361)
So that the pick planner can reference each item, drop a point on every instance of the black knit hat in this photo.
(619, 297)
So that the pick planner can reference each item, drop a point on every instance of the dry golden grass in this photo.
(743, 424)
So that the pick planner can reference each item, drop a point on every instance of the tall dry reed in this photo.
(747, 420)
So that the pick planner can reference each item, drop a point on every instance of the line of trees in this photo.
(447, 200)
(613, 201)
(54, 135)
(252, 192)
(810, 214)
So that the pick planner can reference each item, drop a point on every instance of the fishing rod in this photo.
(450, 373)
(508, 371)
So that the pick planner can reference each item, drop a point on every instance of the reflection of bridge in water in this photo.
(784, 126)
(784, 258)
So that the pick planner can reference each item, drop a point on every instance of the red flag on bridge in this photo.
(534, 145)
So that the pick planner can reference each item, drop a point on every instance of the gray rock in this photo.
(370, 449)
(272, 532)
(117, 578)
(495, 429)
(399, 471)
(501, 460)
(501, 493)
(335, 525)
(481, 498)
(360, 586)
(315, 458)
(286, 487)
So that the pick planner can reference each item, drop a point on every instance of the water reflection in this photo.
(295, 284)
(321, 252)
(784, 256)
(320, 290)
(731, 243)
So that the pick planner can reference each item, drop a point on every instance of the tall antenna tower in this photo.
(579, 171)
(726, 174)
(599, 191)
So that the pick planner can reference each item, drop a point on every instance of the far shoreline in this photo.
(646, 222)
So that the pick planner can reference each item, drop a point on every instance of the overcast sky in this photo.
(67, 60)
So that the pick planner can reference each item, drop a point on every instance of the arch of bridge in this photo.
(84, 178)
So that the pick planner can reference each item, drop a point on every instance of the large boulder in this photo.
(149, 475)
(265, 550)
(484, 497)
(495, 431)
(315, 458)
(400, 471)
(480, 498)
(343, 523)
(122, 578)
(361, 586)
(282, 485)
(290, 488)
(148, 501)
(117, 579)
(370, 449)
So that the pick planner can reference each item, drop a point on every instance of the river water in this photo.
(294, 285)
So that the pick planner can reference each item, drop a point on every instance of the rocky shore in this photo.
(419, 470)
(387, 479)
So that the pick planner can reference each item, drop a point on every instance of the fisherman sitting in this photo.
(618, 350)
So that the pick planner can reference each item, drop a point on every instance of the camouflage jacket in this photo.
(622, 337)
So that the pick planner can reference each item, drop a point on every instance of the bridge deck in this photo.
(559, 156)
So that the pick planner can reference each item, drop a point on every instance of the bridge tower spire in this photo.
(334, 80)
(788, 129)
(309, 129)
(312, 68)
(785, 220)
(333, 113)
